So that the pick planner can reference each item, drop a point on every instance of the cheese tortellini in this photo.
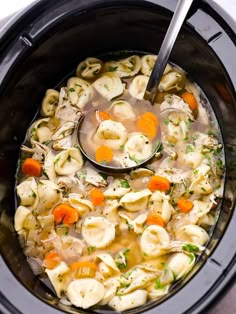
(125, 67)
(118, 239)
(98, 231)
(89, 68)
(111, 133)
(79, 91)
(109, 85)
(68, 162)
(138, 146)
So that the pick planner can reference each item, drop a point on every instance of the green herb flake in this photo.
(106, 86)
(124, 183)
(72, 90)
(189, 149)
(158, 285)
(128, 225)
(190, 248)
(57, 160)
(91, 249)
(112, 69)
(122, 147)
(191, 258)
(166, 121)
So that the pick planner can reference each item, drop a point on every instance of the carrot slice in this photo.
(103, 154)
(31, 167)
(65, 214)
(147, 124)
(103, 115)
(190, 100)
(97, 197)
(76, 265)
(151, 117)
(159, 183)
(84, 269)
(155, 219)
(51, 260)
(184, 205)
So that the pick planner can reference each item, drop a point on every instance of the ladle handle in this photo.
(177, 20)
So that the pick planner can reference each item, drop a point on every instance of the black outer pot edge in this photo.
(225, 271)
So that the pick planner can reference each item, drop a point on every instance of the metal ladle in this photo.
(177, 20)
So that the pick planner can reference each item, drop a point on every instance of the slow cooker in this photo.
(39, 48)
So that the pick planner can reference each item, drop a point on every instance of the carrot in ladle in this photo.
(104, 154)
(31, 167)
(147, 124)
(65, 214)
(103, 115)
(159, 183)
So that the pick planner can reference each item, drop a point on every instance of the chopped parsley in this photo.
(189, 149)
(122, 147)
(124, 183)
(72, 90)
(166, 121)
(112, 69)
(91, 249)
(190, 248)
(129, 225)
(158, 285)
(106, 86)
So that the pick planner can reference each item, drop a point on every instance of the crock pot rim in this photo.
(231, 268)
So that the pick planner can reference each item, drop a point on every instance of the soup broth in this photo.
(118, 240)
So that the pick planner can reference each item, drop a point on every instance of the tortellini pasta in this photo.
(109, 85)
(98, 231)
(57, 277)
(125, 67)
(111, 133)
(89, 68)
(79, 91)
(135, 201)
(128, 301)
(153, 239)
(148, 62)
(180, 264)
(122, 110)
(49, 195)
(86, 292)
(49, 103)
(68, 162)
(27, 191)
(193, 234)
(137, 86)
(172, 80)
(82, 205)
(138, 146)
(20, 216)
(115, 189)
(40, 131)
